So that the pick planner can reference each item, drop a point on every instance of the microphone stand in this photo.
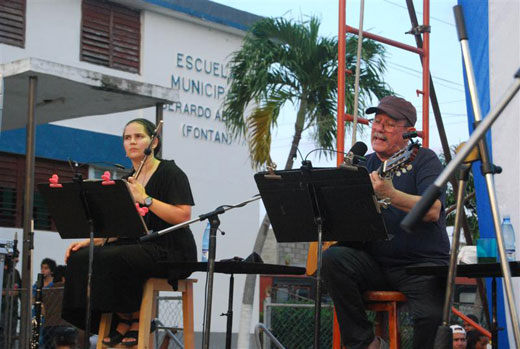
(318, 219)
(214, 222)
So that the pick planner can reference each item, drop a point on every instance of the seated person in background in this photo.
(121, 267)
(459, 337)
(349, 269)
(52, 299)
(476, 340)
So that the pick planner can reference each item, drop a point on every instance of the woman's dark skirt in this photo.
(118, 277)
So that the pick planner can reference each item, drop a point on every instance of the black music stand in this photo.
(111, 208)
(321, 204)
(232, 267)
(343, 198)
(92, 209)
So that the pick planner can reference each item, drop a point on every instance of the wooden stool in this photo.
(378, 302)
(385, 301)
(148, 312)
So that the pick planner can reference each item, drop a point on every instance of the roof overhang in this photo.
(66, 92)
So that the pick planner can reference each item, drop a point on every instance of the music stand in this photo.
(321, 204)
(92, 209)
(111, 209)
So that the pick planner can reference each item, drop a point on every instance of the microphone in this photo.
(410, 134)
(355, 154)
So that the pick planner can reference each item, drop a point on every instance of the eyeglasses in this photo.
(387, 126)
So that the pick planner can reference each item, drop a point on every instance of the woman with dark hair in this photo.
(121, 267)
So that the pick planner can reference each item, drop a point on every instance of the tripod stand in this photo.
(488, 169)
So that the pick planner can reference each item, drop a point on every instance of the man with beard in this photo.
(349, 269)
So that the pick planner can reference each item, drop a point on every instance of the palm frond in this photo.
(260, 124)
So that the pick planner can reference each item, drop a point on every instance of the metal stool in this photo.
(147, 313)
(378, 302)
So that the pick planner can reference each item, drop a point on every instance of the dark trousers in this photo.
(119, 273)
(348, 272)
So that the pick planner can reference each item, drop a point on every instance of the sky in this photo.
(388, 18)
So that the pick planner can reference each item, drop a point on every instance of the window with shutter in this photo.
(12, 22)
(8, 190)
(110, 35)
(12, 182)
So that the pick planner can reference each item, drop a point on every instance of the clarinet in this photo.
(37, 319)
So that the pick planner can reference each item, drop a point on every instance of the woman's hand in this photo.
(173, 214)
(75, 246)
(137, 190)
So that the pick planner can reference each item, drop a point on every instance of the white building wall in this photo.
(504, 60)
(219, 173)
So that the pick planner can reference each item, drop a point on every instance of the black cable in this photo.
(324, 149)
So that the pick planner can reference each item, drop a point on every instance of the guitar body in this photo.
(312, 256)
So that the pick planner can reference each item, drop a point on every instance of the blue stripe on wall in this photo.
(477, 22)
(192, 11)
(64, 143)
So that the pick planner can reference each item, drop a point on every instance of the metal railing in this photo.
(293, 325)
(260, 329)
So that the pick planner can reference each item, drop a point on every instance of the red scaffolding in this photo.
(423, 52)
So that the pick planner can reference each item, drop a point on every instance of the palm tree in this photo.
(282, 61)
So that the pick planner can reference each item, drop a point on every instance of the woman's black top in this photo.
(170, 184)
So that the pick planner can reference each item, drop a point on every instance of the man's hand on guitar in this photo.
(383, 188)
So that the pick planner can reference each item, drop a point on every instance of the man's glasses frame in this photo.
(387, 126)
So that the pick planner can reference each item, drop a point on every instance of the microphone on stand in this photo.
(355, 154)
